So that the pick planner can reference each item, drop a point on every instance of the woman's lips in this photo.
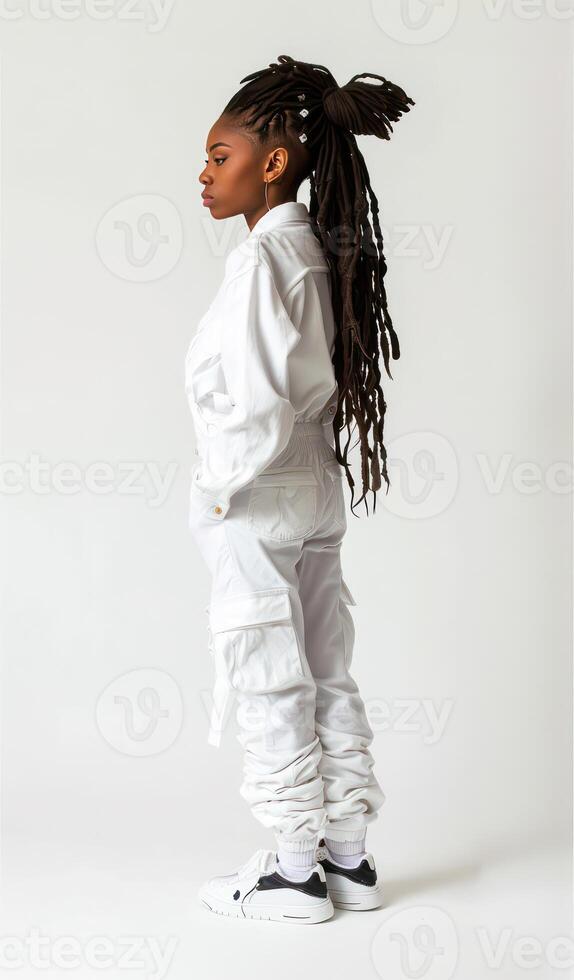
(207, 201)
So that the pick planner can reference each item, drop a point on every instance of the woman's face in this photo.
(234, 174)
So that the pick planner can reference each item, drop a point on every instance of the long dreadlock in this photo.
(273, 104)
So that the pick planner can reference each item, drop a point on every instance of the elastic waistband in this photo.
(310, 427)
(309, 442)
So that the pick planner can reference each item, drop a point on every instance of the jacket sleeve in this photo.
(257, 338)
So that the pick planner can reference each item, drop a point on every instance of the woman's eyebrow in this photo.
(212, 147)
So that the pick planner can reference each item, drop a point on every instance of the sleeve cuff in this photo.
(211, 506)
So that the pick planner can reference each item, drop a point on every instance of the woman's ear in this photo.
(277, 162)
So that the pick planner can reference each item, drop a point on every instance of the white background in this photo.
(115, 808)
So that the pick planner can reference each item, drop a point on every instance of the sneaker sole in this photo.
(304, 914)
(371, 898)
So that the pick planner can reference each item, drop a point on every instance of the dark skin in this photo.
(236, 172)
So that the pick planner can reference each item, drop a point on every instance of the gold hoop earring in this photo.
(266, 198)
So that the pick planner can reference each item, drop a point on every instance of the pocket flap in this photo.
(346, 594)
(250, 609)
(300, 476)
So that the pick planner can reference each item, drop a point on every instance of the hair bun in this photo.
(338, 106)
(364, 108)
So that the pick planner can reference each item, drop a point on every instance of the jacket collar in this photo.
(281, 213)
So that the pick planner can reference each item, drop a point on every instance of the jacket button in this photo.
(331, 409)
(218, 509)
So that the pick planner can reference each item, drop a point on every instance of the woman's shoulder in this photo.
(243, 257)
(256, 253)
(286, 258)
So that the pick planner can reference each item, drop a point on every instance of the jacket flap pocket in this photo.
(300, 476)
(346, 594)
(250, 609)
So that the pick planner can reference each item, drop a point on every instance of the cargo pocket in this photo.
(335, 471)
(347, 623)
(255, 642)
(283, 503)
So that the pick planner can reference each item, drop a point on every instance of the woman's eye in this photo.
(216, 159)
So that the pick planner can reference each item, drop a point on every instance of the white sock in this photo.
(347, 853)
(295, 865)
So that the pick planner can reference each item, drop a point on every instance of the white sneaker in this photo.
(257, 891)
(355, 889)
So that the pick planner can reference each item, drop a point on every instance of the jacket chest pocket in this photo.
(283, 503)
(209, 388)
(205, 380)
(255, 641)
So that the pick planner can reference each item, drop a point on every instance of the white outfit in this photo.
(268, 514)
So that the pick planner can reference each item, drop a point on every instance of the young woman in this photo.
(285, 358)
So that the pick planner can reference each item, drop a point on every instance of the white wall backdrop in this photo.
(114, 807)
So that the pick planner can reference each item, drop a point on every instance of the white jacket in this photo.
(260, 360)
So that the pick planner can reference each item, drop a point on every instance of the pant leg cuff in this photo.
(296, 846)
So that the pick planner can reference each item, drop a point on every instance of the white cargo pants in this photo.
(282, 635)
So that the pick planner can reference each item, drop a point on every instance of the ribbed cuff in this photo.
(295, 859)
(296, 846)
(345, 848)
(345, 835)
